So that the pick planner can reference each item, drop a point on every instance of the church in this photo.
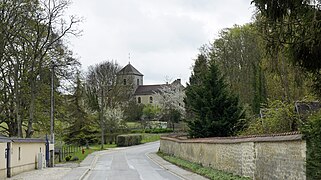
(144, 94)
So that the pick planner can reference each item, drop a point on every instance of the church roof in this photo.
(148, 89)
(130, 70)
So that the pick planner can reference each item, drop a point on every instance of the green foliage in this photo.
(294, 25)
(239, 54)
(172, 116)
(81, 130)
(68, 158)
(133, 111)
(151, 112)
(312, 134)
(31, 46)
(129, 139)
(199, 169)
(214, 111)
(153, 131)
(150, 137)
(278, 117)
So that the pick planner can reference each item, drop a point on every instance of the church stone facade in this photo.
(144, 94)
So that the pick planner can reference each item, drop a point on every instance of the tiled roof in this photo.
(130, 70)
(148, 89)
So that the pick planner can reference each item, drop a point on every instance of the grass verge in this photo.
(201, 170)
(91, 149)
(146, 137)
(150, 137)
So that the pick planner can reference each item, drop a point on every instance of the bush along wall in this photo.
(129, 139)
(312, 135)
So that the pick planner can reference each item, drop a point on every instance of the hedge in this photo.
(129, 139)
(312, 134)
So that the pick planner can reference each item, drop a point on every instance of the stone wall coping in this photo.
(231, 140)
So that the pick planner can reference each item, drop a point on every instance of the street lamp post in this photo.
(52, 103)
(52, 109)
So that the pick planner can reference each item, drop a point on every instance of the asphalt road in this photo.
(131, 163)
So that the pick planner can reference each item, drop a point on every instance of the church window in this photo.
(139, 100)
(125, 82)
(151, 99)
(137, 82)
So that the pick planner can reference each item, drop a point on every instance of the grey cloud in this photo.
(158, 33)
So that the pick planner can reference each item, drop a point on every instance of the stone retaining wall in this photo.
(269, 157)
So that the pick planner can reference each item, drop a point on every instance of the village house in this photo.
(21, 154)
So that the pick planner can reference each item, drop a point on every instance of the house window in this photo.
(137, 82)
(139, 100)
(125, 82)
(151, 99)
(19, 155)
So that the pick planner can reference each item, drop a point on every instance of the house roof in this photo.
(28, 140)
(152, 89)
(148, 89)
(21, 140)
(4, 139)
(130, 70)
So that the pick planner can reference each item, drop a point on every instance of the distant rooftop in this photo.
(130, 70)
(148, 89)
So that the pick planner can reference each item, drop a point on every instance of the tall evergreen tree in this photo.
(81, 130)
(212, 109)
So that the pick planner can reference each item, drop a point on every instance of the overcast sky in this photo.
(162, 36)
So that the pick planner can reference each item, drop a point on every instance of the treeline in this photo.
(268, 64)
(247, 80)
(32, 34)
(241, 55)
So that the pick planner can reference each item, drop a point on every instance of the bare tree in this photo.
(101, 89)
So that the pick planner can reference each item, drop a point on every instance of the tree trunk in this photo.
(17, 100)
(29, 131)
(283, 76)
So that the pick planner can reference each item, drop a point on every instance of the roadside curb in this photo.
(175, 170)
(93, 162)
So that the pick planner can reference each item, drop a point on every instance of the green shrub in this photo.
(137, 131)
(147, 130)
(153, 131)
(129, 139)
(68, 158)
(278, 117)
(160, 130)
(312, 134)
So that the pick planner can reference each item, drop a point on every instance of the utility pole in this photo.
(52, 104)
(52, 122)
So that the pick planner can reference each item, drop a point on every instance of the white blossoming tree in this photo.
(170, 99)
(113, 121)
